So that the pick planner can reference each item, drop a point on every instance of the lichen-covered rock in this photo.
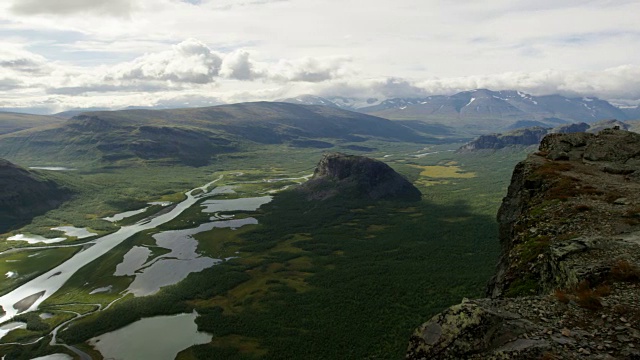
(358, 177)
(471, 328)
(567, 285)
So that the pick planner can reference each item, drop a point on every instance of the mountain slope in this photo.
(25, 195)
(192, 136)
(12, 122)
(566, 286)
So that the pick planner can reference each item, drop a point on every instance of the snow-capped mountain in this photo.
(481, 111)
(507, 105)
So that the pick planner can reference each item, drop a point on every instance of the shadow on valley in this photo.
(317, 279)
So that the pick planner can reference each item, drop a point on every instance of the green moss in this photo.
(532, 248)
(522, 287)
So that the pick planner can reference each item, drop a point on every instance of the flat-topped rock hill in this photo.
(357, 177)
(567, 285)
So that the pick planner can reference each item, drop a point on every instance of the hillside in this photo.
(25, 194)
(568, 282)
(12, 122)
(195, 136)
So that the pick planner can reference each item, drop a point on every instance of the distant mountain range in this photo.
(193, 136)
(481, 111)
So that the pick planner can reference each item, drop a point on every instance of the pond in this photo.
(149, 338)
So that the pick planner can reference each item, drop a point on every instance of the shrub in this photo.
(582, 208)
(587, 298)
(623, 270)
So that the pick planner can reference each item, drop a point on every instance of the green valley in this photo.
(335, 278)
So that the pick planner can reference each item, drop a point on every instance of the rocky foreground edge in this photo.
(567, 285)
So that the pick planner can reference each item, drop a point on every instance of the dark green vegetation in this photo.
(339, 278)
(196, 136)
(26, 194)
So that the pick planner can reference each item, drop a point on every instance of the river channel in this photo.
(31, 294)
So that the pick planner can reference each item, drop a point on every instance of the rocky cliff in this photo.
(354, 176)
(534, 135)
(23, 195)
(525, 137)
(567, 285)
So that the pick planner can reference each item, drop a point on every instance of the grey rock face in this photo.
(568, 279)
(358, 177)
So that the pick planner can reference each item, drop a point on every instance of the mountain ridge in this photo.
(194, 136)
(483, 110)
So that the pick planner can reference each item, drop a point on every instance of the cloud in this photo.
(120, 8)
(16, 59)
(311, 69)
(237, 65)
(10, 84)
(621, 83)
(375, 88)
(191, 61)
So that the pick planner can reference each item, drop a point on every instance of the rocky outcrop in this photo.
(352, 176)
(25, 195)
(534, 135)
(567, 285)
(524, 137)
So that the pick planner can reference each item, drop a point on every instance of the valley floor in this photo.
(288, 279)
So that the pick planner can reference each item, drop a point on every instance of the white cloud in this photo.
(237, 65)
(65, 7)
(311, 69)
(621, 83)
(14, 58)
(191, 61)
(253, 49)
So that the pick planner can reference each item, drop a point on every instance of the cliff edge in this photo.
(567, 285)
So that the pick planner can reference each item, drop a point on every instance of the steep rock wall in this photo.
(567, 285)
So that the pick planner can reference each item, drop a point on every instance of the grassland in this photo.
(315, 280)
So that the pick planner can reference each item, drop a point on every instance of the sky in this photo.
(67, 54)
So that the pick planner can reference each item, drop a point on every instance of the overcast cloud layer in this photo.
(93, 53)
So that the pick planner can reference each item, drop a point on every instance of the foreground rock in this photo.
(24, 195)
(357, 177)
(568, 282)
